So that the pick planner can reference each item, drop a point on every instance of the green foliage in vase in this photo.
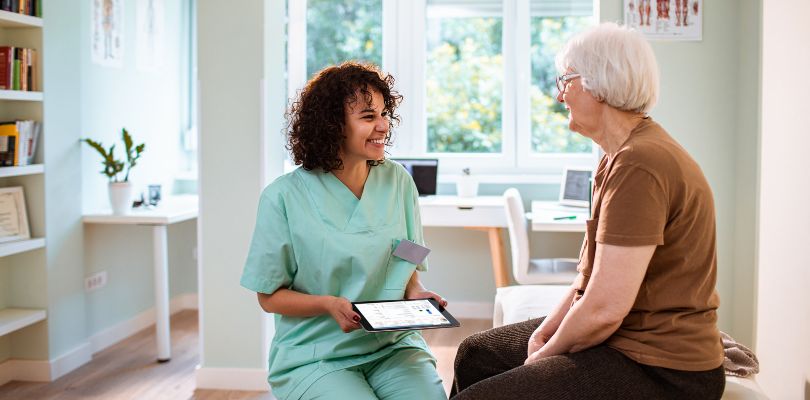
(113, 166)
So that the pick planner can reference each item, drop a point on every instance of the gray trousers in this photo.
(489, 365)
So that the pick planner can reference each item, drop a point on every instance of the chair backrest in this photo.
(518, 234)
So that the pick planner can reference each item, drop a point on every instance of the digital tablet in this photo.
(403, 315)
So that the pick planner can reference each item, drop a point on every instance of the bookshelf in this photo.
(23, 262)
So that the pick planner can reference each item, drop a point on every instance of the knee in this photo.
(471, 348)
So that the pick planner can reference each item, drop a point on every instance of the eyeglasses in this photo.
(563, 80)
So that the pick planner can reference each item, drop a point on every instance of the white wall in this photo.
(149, 104)
(783, 325)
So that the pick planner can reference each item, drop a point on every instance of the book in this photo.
(5, 67)
(9, 143)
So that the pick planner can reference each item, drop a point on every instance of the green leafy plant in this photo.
(112, 166)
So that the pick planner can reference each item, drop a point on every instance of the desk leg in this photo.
(498, 257)
(161, 264)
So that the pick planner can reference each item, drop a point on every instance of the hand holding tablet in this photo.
(401, 315)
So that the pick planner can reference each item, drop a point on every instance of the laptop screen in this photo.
(424, 172)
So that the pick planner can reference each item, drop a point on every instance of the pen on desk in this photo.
(566, 217)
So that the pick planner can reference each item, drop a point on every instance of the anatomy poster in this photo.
(666, 19)
(107, 38)
(149, 34)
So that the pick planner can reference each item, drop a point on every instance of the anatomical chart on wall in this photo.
(666, 19)
(149, 34)
(107, 44)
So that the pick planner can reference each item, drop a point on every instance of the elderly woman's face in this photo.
(365, 129)
(583, 108)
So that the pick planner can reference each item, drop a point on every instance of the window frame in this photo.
(404, 55)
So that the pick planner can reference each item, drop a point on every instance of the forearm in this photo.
(294, 304)
(414, 285)
(553, 320)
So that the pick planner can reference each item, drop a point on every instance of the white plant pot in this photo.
(466, 186)
(121, 197)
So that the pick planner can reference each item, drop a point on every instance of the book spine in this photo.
(5, 83)
(5, 5)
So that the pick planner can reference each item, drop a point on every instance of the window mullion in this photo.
(296, 46)
(523, 112)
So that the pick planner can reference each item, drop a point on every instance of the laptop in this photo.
(575, 189)
(424, 172)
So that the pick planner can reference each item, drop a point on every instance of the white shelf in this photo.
(20, 246)
(15, 20)
(20, 95)
(32, 169)
(12, 319)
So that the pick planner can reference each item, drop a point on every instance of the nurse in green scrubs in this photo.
(324, 237)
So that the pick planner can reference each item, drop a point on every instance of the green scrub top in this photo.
(315, 237)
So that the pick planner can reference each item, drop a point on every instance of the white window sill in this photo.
(506, 178)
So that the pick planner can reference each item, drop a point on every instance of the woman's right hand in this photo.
(341, 310)
(537, 340)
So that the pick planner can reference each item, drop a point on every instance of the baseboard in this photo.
(472, 309)
(125, 329)
(25, 370)
(68, 362)
(232, 379)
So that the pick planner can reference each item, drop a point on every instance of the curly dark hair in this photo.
(315, 121)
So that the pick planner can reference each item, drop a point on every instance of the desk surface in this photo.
(171, 210)
(544, 212)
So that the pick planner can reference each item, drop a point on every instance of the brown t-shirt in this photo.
(653, 193)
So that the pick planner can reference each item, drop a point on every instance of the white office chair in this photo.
(532, 271)
(542, 283)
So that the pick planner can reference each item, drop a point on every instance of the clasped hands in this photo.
(535, 346)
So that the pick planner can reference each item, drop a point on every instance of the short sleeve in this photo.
(634, 208)
(270, 262)
(413, 218)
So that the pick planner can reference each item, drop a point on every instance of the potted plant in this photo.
(467, 185)
(120, 189)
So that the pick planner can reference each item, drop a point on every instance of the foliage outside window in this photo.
(343, 30)
(464, 83)
(550, 133)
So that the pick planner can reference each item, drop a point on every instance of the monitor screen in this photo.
(424, 172)
(576, 187)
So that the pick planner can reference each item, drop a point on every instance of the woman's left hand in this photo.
(425, 294)
(534, 357)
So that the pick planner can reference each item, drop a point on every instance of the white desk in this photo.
(171, 210)
(544, 213)
(484, 213)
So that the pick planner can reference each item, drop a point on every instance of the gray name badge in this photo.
(411, 252)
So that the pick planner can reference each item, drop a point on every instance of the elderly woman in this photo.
(640, 319)
(324, 237)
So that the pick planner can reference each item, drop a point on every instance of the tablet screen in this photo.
(398, 314)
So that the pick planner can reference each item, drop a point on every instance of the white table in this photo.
(484, 213)
(171, 210)
(544, 213)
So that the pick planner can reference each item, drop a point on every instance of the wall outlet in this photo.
(95, 281)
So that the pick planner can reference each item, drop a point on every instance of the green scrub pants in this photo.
(405, 374)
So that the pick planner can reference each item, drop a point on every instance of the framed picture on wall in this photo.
(13, 217)
(666, 19)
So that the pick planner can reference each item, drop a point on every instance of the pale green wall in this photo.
(63, 182)
(149, 105)
(230, 124)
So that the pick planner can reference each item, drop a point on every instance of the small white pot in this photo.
(466, 186)
(121, 197)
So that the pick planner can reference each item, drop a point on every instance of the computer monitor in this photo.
(424, 172)
(575, 189)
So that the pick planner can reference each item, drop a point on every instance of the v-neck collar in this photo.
(339, 207)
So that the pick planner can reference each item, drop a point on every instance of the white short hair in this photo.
(616, 64)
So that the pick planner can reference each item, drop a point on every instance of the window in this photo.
(464, 80)
(478, 76)
(334, 31)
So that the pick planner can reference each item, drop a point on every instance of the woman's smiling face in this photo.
(365, 129)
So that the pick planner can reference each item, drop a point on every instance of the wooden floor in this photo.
(128, 370)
